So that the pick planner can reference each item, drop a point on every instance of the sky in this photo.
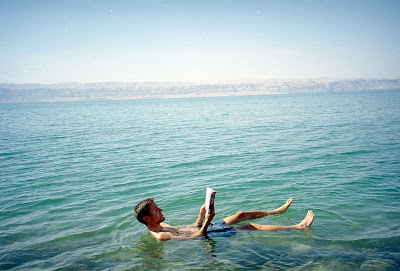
(86, 41)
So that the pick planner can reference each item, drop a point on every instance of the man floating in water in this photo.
(148, 213)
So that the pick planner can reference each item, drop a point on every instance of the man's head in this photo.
(148, 211)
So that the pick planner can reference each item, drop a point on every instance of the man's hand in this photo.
(211, 215)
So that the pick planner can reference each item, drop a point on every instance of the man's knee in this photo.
(241, 214)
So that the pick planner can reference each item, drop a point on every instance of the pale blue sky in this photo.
(197, 41)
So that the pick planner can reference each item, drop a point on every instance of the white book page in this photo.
(210, 196)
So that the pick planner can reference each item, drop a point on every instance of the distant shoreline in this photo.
(10, 93)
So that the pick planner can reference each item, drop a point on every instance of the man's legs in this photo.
(243, 216)
(304, 224)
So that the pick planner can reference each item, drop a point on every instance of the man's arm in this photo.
(202, 214)
(164, 236)
(209, 217)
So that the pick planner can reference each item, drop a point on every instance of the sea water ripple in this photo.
(72, 172)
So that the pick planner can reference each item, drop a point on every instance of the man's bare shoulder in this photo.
(166, 232)
(160, 235)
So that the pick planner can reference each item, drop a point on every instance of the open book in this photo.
(210, 196)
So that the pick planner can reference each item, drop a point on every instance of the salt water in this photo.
(72, 172)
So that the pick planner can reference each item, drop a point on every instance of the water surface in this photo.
(71, 174)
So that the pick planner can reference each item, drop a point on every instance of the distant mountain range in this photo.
(116, 90)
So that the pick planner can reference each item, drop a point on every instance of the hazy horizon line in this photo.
(204, 81)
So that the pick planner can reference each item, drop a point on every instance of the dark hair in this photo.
(142, 209)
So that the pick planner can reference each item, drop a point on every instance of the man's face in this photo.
(156, 213)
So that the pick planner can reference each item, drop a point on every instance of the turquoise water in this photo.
(72, 172)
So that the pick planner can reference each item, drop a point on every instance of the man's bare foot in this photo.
(306, 222)
(284, 207)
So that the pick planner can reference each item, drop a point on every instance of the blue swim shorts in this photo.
(220, 226)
